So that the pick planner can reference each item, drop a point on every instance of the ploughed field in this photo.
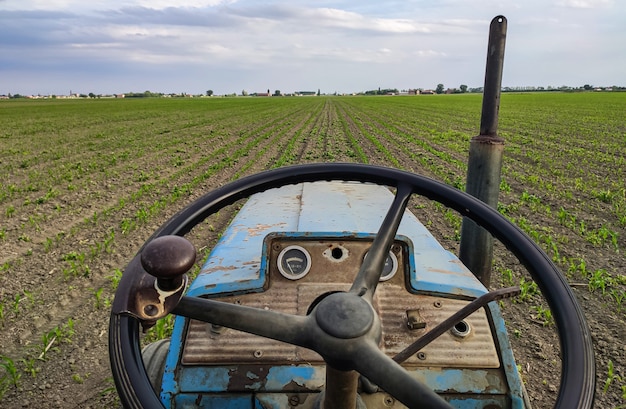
(85, 183)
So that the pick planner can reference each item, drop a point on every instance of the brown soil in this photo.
(43, 238)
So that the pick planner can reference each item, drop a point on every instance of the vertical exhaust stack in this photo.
(485, 159)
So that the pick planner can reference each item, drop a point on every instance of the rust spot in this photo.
(488, 139)
(244, 377)
(218, 269)
(262, 228)
(441, 271)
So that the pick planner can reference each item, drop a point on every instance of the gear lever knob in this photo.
(168, 258)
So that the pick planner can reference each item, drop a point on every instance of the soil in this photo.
(69, 368)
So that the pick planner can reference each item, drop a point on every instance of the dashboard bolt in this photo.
(294, 400)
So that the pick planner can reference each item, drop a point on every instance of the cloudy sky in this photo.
(111, 46)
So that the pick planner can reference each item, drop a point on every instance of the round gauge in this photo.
(389, 268)
(294, 262)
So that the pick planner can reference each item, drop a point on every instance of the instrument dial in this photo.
(294, 262)
(389, 268)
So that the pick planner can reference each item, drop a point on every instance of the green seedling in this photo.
(544, 315)
(11, 374)
(30, 366)
(16, 304)
(47, 341)
(115, 278)
(528, 290)
(98, 295)
(10, 211)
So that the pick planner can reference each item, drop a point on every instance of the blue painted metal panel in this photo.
(469, 403)
(218, 401)
(235, 265)
(275, 379)
(169, 387)
(510, 368)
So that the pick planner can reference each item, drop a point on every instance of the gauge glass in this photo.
(294, 262)
(389, 268)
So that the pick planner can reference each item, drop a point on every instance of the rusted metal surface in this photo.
(451, 323)
(493, 76)
(391, 302)
(341, 389)
(485, 159)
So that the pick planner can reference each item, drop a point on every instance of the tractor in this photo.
(326, 291)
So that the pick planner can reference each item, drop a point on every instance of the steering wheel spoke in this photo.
(383, 371)
(288, 328)
(372, 268)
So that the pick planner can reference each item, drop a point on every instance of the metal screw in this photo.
(294, 400)
(388, 401)
(421, 356)
(216, 329)
(258, 353)
(437, 304)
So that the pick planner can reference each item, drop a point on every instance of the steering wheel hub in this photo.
(344, 315)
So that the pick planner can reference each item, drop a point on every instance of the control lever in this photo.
(154, 281)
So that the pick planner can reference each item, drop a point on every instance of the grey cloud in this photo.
(190, 17)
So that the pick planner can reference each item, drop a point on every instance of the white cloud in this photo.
(586, 4)
(82, 5)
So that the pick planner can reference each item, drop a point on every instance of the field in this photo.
(85, 182)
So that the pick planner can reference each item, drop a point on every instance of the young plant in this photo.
(30, 366)
(11, 373)
(544, 315)
(98, 295)
(528, 290)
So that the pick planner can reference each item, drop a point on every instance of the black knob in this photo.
(168, 258)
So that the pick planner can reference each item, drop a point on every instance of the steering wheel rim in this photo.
(577, 386)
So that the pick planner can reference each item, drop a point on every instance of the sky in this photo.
(227, 46)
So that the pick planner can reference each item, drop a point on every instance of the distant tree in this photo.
(587, 87)
(439, 89)
(276, 93)
(244, 93)
(318, 92)
(209, 93)
(92, 95)
(463, 88)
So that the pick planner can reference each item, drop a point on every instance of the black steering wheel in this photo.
(345, 344)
